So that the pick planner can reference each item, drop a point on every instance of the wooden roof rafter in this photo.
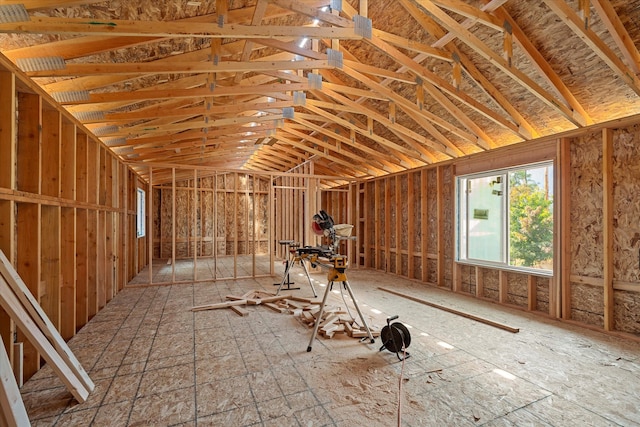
(600, 48)
(483, 50)
(332, 151)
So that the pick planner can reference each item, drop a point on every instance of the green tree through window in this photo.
(530, 222)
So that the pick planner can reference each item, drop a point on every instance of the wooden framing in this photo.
(14, 413)
(60, 221)
(607, 214)
(8, 146)
(563, 263)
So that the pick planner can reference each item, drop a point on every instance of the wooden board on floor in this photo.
(454, 311)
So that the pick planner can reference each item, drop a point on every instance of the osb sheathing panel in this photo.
(207, 220)
(432, 274)
(491, 282)
(157, 198)
(416, 190)
(382, 217)
(542, 294)
(587, 304)
(403, 239)
(626, 209)
(229, 224)
(586, 206)
(432, 212)
(517, 289)
(627, 311)
(468, 279)
(394, 215)
(448, 224)
(369, 217)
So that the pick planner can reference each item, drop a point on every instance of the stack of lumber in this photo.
(335, 319)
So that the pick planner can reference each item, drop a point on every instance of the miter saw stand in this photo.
(295, 256)
(326, 257)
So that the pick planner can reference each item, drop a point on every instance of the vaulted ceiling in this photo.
(361, 87)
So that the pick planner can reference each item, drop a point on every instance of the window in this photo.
(140, 217)
(505, 217)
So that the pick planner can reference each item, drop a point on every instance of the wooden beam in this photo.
(545, 70)
(8, 130)
(424, 224)
(12, 305)
(14, 413)
(591, 39)
(483, 83)
(81, 269)
(146, 68)
(410, 229)
(619, 33)
(483, 50)
(68, 273)
(32, 310)
(8, 144)
(608, 228)
(387, 224)
(218, 91)
(440, 226)
(173, 29)
(28, 267)
(562, 178)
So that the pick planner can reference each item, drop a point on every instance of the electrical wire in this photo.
(347, 306)
(404, 357)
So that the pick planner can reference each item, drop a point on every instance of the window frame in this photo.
(141, 214)
(461, 202)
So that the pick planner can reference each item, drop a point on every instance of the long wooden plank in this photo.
(28, 266)
(219, 305)
(68, 273)
(9, 301)
(8, 146)
(454, 311)
(35, 312)
(82, 269)
(608, 228)
(13, 409)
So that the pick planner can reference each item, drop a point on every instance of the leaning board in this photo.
(42, 321)
(13, 410)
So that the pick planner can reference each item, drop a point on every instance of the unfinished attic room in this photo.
(320, 213)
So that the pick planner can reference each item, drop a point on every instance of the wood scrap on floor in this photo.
(335, 319)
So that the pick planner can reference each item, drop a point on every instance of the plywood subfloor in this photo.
(157, 363)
